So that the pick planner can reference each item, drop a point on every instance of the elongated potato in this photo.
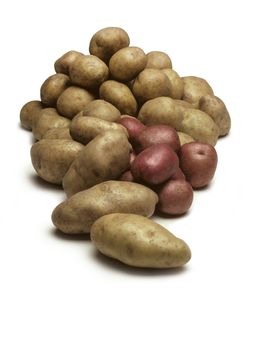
(78, 213)
(104, 158)
(194, 88)
(102, 109)
(52, 158)
(58, 133)
(53, 87)
(138, 241)
(29, 112)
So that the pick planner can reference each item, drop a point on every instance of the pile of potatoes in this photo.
(126, 137)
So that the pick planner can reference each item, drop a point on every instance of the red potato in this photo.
(127, 176)
(175, 197)
(178, 175)
(198, 161)
(155, 164)
(133, 126)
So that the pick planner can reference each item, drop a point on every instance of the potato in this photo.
(120, 96)
(178, 175)
(155, 164)
(58, 133)
(127, 176)
(198, 161)
(107, 41)
(29, 112)
(217, 110)
(133, 126)
(104, 158)
(88, 71)
(47, 119)
(85, 129)
(175, 197)
(73, 100)
(158, 60)
(53, 87)
(62, 65)
(176, 83)
(151, 83)
(127, 63)
(78, 213)
(138, 241)
(184, 138)
(194, 88)
(52, 158)
(102, 109)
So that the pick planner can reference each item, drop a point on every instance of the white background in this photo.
(56, 292)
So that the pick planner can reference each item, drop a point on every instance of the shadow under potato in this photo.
(36, 180)
(69, 237)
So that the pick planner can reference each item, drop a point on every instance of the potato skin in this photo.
(120, 96)
(78, 213)
(138, 241)
(63, 63)
(53, 87)
(58, 133)
(194, 88)
(52, 158)
(104, 158)
(184, 138)
(133, 126)
(102, 109)
(158, 60)
(127, 63)
(176, 83)
(107, 41)
(29, 112)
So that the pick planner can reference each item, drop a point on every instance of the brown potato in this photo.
(53, 87)
(103, 110)
(184, 138)
(79, 212)
(58, 133)
(88, 71)
(194, 88)
(176, 83)
(104, 158)
(52, 158)
(127, 63)
(73, 100)
(62, 65)
(158, 60)
(107, 41)
(29, 112)
(120, 96)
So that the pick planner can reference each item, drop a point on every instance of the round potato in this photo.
(52, 158)
(184, 138)
(58, 133)
(62, 65)
(158, 60)
(194, 88)
(176, 83)
(107, 41)
(88, 71)
(178, 175)
(127, 63)
(29, 112)
(133, 126)
(53, 87)
(73, 100)
(120, 96)
(79, 212)
(138, 241)
(103, 110)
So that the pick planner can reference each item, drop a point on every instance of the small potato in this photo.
(53, 87)
(217, 110)
(198, 161)
(107, 41)
(104, 158)
(29, 112)
(47, 119)
(103, 110)
(158, 60)
(194, 88)
(184, 138)
(138, 241)
(85, 129)
(176, 83)
(58, 133)
(133, 126)
(62, 65)
(127, 176)
(88, 71)
(52, 158)
(120, 96)
(151, 83)
(73, 100)
(175, 197)
(78, 213)
(127, 63)
(155, 164)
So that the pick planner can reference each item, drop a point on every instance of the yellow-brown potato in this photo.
(107, 41)
(58, 133)
(138, 241)
(158, 60)
(176, 83)
(120, 96)
(73, 100)
(88, 71)
(194, 88)
(127, 63)
(47, 119)
(62, 64)
(53, 87)
(29, 112)
(103, 110)
(184, 138)
(78, 213)
(85, 129)
(104, 158)
(151, 83)
(52, 158)
(217, 110)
